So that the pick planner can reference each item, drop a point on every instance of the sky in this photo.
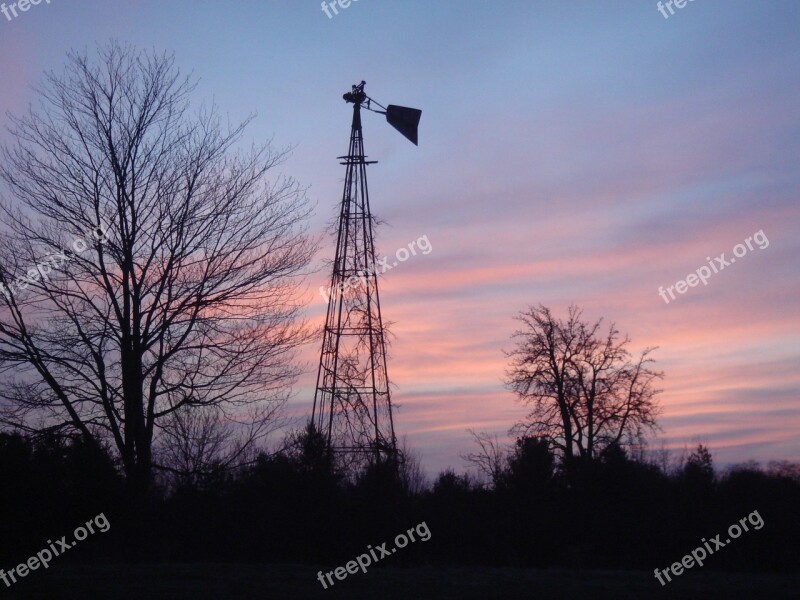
(570, 152)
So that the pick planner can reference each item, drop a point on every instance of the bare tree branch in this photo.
(181, 295)
(586, 393)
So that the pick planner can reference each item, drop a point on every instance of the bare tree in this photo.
(199, 443)
(586, 392)
(411, 473)
(490, 459)
(181, 295)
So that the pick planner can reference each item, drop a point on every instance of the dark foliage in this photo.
(294, 506)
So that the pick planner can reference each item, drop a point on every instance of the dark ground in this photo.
(265, 582)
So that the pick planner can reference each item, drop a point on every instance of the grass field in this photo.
(265, 582)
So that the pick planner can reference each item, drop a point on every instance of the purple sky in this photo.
(570, 152)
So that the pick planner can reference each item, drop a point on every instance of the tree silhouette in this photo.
(585, 391)
(530, 466)
(490, 459)
(699, 468)
(181, 294)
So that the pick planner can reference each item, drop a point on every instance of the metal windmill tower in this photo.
(352, 403)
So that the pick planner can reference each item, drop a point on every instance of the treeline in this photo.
(297, 506)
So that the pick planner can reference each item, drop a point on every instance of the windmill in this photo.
(352, 402)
